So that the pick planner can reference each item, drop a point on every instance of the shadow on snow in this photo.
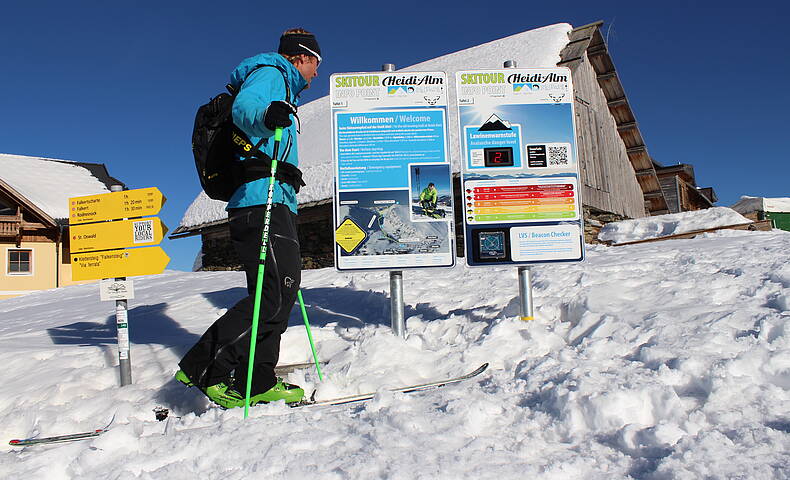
(338, 307)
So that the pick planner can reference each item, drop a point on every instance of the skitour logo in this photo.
(516, 78)
(414, 80)
(482, 78)
(357, 81)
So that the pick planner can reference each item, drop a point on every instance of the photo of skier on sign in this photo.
(428, 199)
(431, 196)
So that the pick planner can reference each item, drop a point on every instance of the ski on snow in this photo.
(406, 389)
(162, 413)
(73, 437)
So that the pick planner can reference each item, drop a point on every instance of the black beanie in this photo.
(298, 44)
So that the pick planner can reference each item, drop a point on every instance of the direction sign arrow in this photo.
(118, 263)
(119, 234)
(115, 205)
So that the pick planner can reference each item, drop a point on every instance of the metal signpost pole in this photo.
(122, 323)
(524, 280)
(525, 293)
(396, 277)
(396, 304)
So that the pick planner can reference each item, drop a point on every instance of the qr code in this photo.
(143, 231)
(557, 155)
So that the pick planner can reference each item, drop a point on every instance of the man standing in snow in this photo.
(269, 85)
(428, 198)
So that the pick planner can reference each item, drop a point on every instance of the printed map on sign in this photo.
(384, 217)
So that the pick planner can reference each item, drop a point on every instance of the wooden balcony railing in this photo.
(10, 226)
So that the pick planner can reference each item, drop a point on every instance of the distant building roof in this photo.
(761, 204)
(540, 47)
(48, 183)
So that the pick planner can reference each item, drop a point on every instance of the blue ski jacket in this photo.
(262, 87)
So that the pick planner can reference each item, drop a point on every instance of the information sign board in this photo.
(119, 234)
(520, 169)
(393, 185)
(140, 202)
(127, 262)
(107, 240)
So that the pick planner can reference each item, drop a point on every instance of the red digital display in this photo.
(498, 157)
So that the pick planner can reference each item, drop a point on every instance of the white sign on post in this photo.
(111, 289)
(521, 197)
(393, 188)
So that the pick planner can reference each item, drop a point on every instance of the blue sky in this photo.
(118, 82)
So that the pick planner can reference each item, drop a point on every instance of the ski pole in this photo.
(309, 335)
(278, 135)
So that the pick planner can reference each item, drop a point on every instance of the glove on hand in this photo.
(278, 115)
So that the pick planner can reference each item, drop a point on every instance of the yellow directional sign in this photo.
(115, 205)
(348, 235)
(118, 263)
(120, 234)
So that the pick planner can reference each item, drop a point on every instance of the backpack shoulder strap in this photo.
(285, 82)
(282, 72)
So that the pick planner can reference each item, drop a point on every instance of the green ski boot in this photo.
(221, 394)
(228, 397)
(182, 377)
(225, 396)
(280, 391)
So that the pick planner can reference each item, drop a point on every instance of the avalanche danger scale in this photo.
(520, 171)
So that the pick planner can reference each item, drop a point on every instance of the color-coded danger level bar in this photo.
(524, 216)
(524, 188)
(524, 202)
(510, 196)
(559, 209)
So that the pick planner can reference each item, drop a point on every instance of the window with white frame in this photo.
(20, 262)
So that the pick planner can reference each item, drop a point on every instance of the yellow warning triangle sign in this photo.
(348, 235)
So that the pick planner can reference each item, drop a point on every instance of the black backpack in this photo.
(216, 142)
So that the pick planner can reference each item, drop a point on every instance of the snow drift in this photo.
(655, 361)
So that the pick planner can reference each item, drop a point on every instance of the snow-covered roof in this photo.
(671, 224)
(540, 47)
(49, 183)
(761, 204)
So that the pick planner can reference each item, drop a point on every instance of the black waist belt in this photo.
(256, 168)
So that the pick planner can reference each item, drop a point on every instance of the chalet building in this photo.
(620, 179)
(680, 188)
(34, 240)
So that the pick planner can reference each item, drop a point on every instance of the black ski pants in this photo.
(225, 347)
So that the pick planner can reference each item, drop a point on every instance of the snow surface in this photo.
(671, 224)
(749, 204)
(668, 360)
(48, 183)
(540, 47)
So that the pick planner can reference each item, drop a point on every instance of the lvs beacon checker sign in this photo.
(520, 184)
